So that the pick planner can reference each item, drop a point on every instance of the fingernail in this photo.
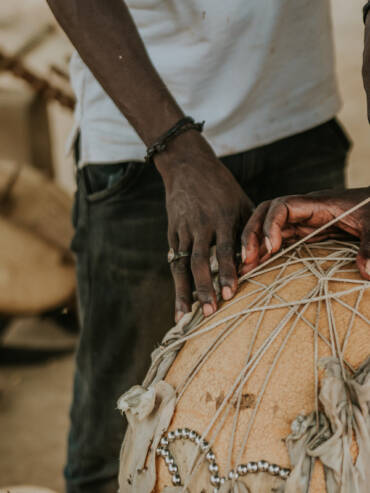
(244, 254)
(179, 316)
(227, 294)
(367, 267)
(268, 244)
(207, 310)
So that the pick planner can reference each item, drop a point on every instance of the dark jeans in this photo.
(125, 289)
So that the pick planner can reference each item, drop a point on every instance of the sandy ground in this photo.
(34, 404)
(34, 400)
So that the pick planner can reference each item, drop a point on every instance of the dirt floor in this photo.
(34, 400)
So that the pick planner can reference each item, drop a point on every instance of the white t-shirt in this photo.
(255, 70)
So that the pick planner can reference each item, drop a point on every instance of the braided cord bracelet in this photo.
(183, 125)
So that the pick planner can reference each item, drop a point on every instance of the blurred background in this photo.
(38, 326)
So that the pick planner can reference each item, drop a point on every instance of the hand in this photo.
(205, 205)
(292, 217)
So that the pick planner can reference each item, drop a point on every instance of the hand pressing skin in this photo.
(205, 206)
(292, 217)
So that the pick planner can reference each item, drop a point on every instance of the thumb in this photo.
(363, 257)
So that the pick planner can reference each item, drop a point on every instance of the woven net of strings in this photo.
(322, 434)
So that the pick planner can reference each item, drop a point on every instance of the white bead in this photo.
(215, 480)
(176, 480)
(185, 433)
(165, 452)
(159, 451)
(173, 469)
(252, 466)
(222, 479)
(169, 459)
(192, 435)
(198, 439)
(233, 475)
(284, 473)
(164, 441)
(171, 436)
(274, 469)
(242, 469)
(213, 467)
(204, 445)
(178, 433)
(210, 456)
(263, 465)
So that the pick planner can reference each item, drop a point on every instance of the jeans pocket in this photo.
(102, 181)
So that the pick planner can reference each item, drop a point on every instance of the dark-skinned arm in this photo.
(204, 202)
(366, 58)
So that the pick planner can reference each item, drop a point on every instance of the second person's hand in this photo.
(293, 217)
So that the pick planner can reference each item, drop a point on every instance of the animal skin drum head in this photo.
(270, 394)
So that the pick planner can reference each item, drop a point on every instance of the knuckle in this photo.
(260, 210)
(264, 205)
(204, 293)
(279, 202)
(227, 280)
(225, 249)
(198, 256)
(183, 230)
(182, 299)
(180, 267)
(227, 269)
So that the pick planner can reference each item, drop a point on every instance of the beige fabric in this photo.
(149, 414)
(346, 406)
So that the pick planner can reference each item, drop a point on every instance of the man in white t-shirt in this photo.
(261, 75)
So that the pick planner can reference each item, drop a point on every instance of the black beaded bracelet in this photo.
(186, 123)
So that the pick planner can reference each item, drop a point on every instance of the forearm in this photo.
(366, 58)
(106, 38)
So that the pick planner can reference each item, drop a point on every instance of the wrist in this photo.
(183, 125)
(182, 153)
